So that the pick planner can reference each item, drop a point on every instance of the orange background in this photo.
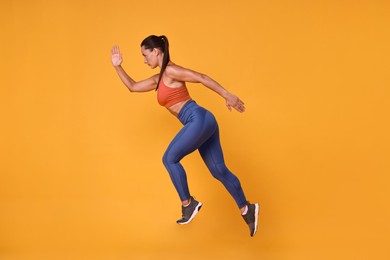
(81, 172)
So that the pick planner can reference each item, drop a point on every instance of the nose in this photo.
(145, 61)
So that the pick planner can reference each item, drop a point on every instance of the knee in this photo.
(168, 159)
(219, 171)
(165, 159)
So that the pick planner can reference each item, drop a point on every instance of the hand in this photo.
(235, 102)
(116, 56)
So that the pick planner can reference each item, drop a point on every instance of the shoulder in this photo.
(179, 73)
(175, 73)
(173, 70)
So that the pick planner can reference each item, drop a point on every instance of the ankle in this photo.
(185, 203)
(244, 210)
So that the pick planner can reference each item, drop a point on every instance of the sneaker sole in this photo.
(257, 208)
(193, 214)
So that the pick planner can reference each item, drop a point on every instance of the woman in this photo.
(200, 131)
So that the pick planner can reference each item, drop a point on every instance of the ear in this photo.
(156, 51)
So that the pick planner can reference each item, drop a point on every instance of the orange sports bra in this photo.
(168, 97)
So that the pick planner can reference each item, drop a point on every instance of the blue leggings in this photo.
(200, 132)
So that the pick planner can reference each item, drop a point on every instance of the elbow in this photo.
(130, 87)
(206, 80)
(203, 78)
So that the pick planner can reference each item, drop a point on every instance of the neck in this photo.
(160, 60)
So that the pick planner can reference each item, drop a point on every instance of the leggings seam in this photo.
(220, 173)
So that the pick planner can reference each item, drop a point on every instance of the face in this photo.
(150, 57)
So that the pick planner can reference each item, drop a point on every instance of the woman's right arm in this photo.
(141, 86)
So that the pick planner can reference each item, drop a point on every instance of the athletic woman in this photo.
(200, 129)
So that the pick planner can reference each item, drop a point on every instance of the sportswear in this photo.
(167, 96)
(252, 217)
(190, 211)
(200, 132)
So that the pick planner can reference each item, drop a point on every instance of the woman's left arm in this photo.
(186, 75)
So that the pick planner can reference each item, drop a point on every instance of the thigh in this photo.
(211, 150)
(187, 140)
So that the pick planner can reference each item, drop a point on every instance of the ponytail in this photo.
(160, 42)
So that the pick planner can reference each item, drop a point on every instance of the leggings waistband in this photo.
(187, 108)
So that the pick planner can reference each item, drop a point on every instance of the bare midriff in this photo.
(175, 109)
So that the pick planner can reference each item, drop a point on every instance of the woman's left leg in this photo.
(211, 152)
(212, 155)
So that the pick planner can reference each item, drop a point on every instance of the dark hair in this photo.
(159, 42)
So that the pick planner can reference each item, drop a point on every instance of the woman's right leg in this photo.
(177, 149)
(190, 137)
